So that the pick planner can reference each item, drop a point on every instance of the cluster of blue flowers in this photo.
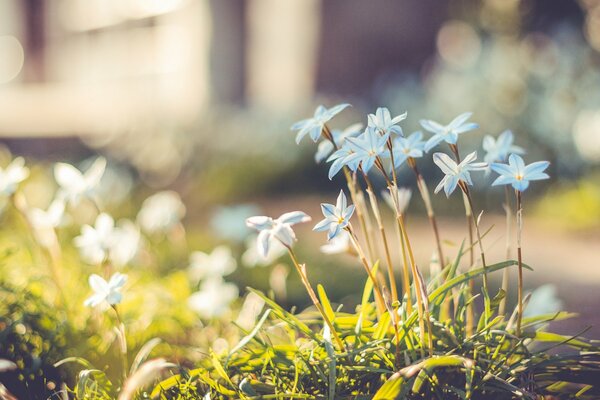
(382, 142)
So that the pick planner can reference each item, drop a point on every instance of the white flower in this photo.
(213, 298)
(403, 196)
(219, 263)
(253, 258)
(336, 217)
(74, 184)
(279, 229)
(15, 173)
(104, 241)
(161, 212)
(44, 222)
(94, 243)
(109, 292)
(544, 300)
(340, 244)
(456, 173)
(125, 243)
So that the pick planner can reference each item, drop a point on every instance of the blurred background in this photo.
(198, 96)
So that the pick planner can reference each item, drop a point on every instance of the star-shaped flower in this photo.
(367, 148)
(74, 184)
(15, 173)
(314, 126)
(279, 229)
(517, 174)
(109, 292)
(383, 122)
(94, 242)
(344, 157)
(456, 172)
(405, 148)
(448, 133)
(325, 147)
(336, 217)
(497, 150)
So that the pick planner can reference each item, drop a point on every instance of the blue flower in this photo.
(456, 172)
(279, 229)
(404, 148)
(336, 217)
(448, 133)
(313, 126)
(517, 174)
(383, 122)
(344, 157)
(367, 147)
(325, 147)
(497, 150)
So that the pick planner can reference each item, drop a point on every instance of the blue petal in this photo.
(328, 210)
(334, 229)
(520, 185)
(535, 168)
(450, 185)
(504, 180)
(323, 225)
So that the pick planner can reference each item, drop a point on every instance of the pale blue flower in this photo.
(497, 150)
(279, 229)
(314, 126)
(456, 172)
(448, 133)
(409, 147)
(325, 147)
(336, 217)
(383, 122)
(344, 157)
(367, 148)
(109, 292)
(517, 174)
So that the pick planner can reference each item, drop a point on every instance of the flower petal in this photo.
(294, 217)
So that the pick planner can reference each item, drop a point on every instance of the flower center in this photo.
(340, 220)
(519, 177)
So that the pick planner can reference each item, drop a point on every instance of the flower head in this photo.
(456, 172)
(383, 122)
(161, 212)
(218, 263)
(74, 184)
(104, 291)
(105, 241)
(213, 298)
(279, 229)
(497, 150)
(325, 147)
(405, 148)
(336, 217)
(367, 148)
(517, 174)
(15, 173)
(44, 222)
(252, 258)
(344, 157)
(448, 133)
(314, 126)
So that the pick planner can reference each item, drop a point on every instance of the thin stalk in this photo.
(405, 266)
(505, 273)
(122, 343)
(424, 191)
(311, 293)
(520, 261)
(388, 257)
(361, 255)
(469, 218)
(486, 296)
(419, 285)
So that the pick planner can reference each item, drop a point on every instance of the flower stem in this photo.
(361, 255)
(506, 273)
(424, 191)
(520, 261)
(122, 343)
(388, 257)
(311, 293)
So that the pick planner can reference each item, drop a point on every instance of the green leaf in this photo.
(391, 389)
